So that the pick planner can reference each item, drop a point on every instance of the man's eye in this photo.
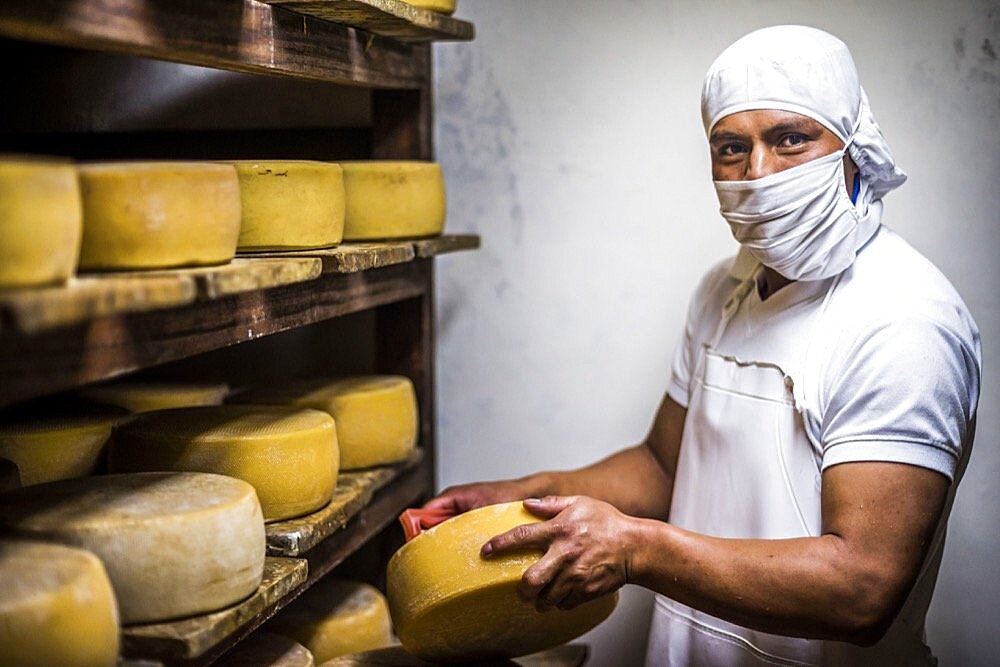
(732, 149)
(793, 140)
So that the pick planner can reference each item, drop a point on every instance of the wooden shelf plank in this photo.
(238, 35)
(356, 257)
(245, 274)
(354, 491)
(445, 244)
(389, 18)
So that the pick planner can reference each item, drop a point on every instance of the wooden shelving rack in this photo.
(101, 326)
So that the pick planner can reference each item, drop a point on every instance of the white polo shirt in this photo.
(884, 359)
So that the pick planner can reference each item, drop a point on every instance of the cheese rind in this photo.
(440, 6)
(146, 396)
(335, 618)
(289, 455)
(290, 204)
(392, 199)
(449, 603)
(376, 415)
(149, 215)
(173, 544)
(56, 607)
(266, 649)
(40, 222)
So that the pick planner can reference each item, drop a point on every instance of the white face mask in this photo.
(799, 222)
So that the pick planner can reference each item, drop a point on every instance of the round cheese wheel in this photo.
(290, 204)
(289, 455)
(391, 200)
(56, 607)
(10, 475)
(265, 649)
(173, 544)
(151, 215)
(449, 603)
(376, 415)
(335, 618)
(52, 440)
(146, 396)
(40, 222)
(440, 6)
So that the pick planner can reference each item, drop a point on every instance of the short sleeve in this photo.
(904, 392)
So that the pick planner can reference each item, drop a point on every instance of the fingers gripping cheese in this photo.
(40, 222)
(264, 649)
(56, 607)
(290, 204)
(289, 455)
(173, 544)
(335, 618)
(449, 603)
(146, 396)
(376, 415)
(150, 215)
(391, 200)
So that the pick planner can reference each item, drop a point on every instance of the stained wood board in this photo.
(389, 18)
(354, 491)
(445, 244)
(246, 274)
(189, 638)
(356, 257)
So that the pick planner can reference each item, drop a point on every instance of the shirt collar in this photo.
(744, 265)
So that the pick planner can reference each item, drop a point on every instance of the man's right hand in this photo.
(467, 497)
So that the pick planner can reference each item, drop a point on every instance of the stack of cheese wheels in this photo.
(56, 607)
(440, 6)
(57, 440)
(173, 544)
(376, 415)
(289, 455)
(146, 396)
(265, 649)
(448, 603)
(290, 204)
(40, 222)
(391, 200)
(335, 618)
(10, 475)
(151, 215)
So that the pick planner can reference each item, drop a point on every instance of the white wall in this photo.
(571, 141)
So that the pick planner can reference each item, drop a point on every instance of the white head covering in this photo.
(810, 72)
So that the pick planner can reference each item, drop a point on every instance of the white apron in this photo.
(748, 470)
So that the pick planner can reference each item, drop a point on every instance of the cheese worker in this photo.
(788, 505)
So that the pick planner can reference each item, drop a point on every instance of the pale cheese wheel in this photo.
(53, 440)
(56, 607)
(146, 396)
(440, 6)
(450, 603)
(376, 415)
(40, 222)
(393, 199)
(290, 204)
(152, 215)
(335, 618)
(289, 455)
(10, 475)
(266, 649)
(173, 544)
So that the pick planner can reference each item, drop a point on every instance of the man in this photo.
(788, 505)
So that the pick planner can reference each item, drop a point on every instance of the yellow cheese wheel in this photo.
(173, 544)
(53, 440)
(335, 618)
(290, 204)
(449, 603)
(56, 607)
(376, 415)
(289, 455)
(151, 215)
(40, 222)
(390, 200)
(10, 475)
(265, 649)
(441, 6)
(146, 396)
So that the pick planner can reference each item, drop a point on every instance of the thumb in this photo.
(549, 506)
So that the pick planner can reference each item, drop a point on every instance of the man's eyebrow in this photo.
(803, 126)
(726, 136)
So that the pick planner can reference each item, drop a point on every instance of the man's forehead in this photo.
(759, 121)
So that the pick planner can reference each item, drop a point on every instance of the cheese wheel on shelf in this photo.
(149, 395)
(52, 440)
(56, 607)
(290, 204)
(289, 455)
(335, 618)
(173, 544)
(376, 415)
(440, 6)
(10, 475)
(449, 603)
(155, 215)
(393, 199)
(265, 649)
(40, 221)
